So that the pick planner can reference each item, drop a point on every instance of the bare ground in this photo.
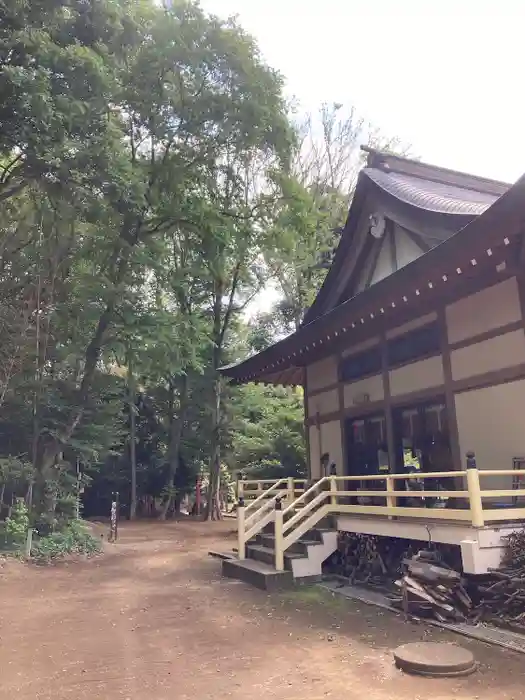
(153, 620)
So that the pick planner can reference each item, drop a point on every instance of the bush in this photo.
(16, 525)
(73, 539)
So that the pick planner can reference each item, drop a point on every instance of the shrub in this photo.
(73, 539)
(16, 525)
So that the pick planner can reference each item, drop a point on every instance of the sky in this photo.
(445, 76)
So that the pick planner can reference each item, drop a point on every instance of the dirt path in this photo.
(153, 620)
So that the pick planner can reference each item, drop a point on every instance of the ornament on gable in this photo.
(377, 225)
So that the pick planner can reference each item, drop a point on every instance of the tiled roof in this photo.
(430, 195)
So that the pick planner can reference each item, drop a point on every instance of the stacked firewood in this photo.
(503, 592)
(430, 588)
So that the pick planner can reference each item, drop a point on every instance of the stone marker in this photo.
(434, 659)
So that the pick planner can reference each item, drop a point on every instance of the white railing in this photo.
(259, 512)
(329, 496)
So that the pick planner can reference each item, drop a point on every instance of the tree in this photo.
(315, 196)
(267, 432)
(59, 63)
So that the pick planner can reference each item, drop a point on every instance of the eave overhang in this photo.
(485, 244)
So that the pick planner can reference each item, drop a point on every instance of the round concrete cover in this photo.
(434, 659)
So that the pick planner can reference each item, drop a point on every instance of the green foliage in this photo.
(75, 538)
(268, 433)
(150, 187)
(17, 524)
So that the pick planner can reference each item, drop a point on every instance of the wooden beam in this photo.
(390, 230)
(417, 239)
(450, 400)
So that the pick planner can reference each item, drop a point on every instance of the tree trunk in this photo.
(92, 356)
(213, 510)
(176, 427)
(132, 438)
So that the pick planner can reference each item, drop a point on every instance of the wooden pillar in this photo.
(306, 426)
(450, 401)
(389, 422)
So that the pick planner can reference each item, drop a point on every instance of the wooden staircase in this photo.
(303, 559)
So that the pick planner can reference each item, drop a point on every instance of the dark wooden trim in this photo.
(392, 235)
(306, 426)
(480, 381)
(418, 396)
(362, 409)
(389, 422)
(323, 390)
(427, 356)
(467, 287)
(417, 239)
(341, 393)
(450, 400)
(374, 257)
(488, 379)
(487, 335)
(520, 281)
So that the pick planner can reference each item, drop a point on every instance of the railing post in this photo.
(390, 500)
(474, 491)
(278, 532)
(241, 542)
(333, 491)
(240, 489)
(291, 489)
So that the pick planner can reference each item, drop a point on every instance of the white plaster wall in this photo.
(373, 386)
(497, 353)
(491, 422)
(315, 465)
(332, 442)
(491, 308)
(327, 402)
(384, 263)
(417, 375)
(321, 374)
(406, 249)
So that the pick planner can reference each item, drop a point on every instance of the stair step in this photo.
(300, 547)
(258, 574)
(267, 555)
(221, 555)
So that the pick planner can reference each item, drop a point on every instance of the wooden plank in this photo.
(406, 494)
(422, 513)
(508, 514)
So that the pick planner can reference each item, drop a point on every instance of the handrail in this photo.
(306, 493)
(267, 504)
(305, 510)
(401, 476)
(317, 501)
(265, 494)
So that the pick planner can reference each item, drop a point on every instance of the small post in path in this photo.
(29, 542)
(113, 528)
(241, 543)
(474, 491)
(279, 550)
(198, 495)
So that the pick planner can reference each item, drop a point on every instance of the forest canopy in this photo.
(153, 183)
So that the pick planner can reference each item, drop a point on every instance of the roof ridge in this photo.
(409, 166)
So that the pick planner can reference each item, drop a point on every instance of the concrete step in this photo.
(299, 547)
(267, 555)
(257, 574)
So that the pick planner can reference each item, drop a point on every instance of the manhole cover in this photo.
(434, 659)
